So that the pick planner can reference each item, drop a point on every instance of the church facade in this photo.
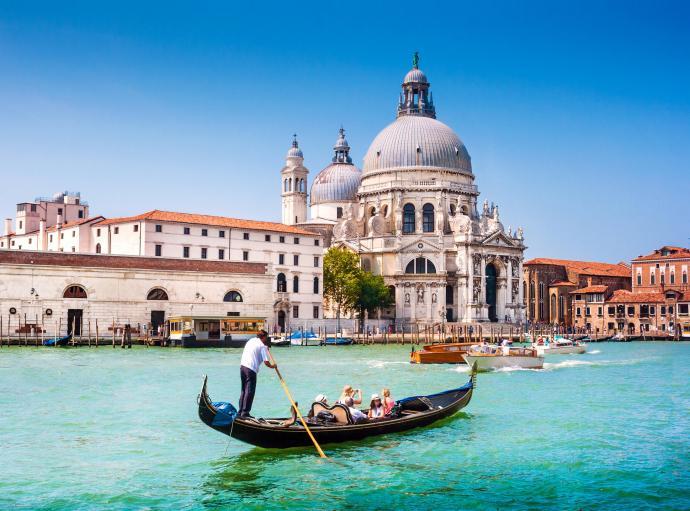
(413, 215)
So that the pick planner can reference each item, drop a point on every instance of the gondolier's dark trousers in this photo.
(248, 378)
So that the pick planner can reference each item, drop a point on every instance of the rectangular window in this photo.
(33, 208)
(295, 311)
(281, 239)
(663, 278)
(159, 228)
(185, 251)
(73, 249)
(296, 241)
(639, 279)
(59, 211)
(316, 312)
(187, 230)
(578, 311)
(587, 313)
(600, 311)
(204, 253)
(316, 261)
(281, 258)
(136, 227)
(267, 237)
(682, 309)
(316, 243)
(673, 278)
(295, 284)
(81, 213)
(62, 235)
(204, 232)
(652, 279)
(159, 250)
(51, 238)
(631, 311)
(245, 256)
(117, 230)
(245, 235)
(295, 260)
(98, 232)
(221, 253)
(30, 239)
(74, 234)
(221, 234)
(578, 297)
(685, 277)
(652, 310)
(612, 311)
(20, 224)
(663, 310)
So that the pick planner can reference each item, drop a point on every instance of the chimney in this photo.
(42, 235)
(589, 281)
(58, 224)
(8, 226)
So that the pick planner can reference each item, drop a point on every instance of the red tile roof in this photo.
(591, 289)
(128, 262)
(585, 267)
(75, 223)
(221, 221)
(624, 296)
(562, 283)
(674, 253)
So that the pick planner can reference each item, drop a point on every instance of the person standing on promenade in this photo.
(255, 352)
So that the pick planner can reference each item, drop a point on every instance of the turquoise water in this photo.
(117, 429)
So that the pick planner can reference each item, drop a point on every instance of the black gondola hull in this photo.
(274, 436)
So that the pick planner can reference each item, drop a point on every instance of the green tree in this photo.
(349, 287)
(341, 275)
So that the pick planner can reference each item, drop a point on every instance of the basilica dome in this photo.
(417, 141)
(340, 180)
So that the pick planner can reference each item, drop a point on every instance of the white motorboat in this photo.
(560, 346)
(306, 339)
(490, 358)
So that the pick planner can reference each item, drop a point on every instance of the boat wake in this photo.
(461, 369)
(550, 366)
(593, 352)
(380, 364)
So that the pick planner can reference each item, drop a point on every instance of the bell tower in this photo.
(294, 186)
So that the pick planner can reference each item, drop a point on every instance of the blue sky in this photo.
(577, 116)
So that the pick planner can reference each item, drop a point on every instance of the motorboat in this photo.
(338, 341)
(560, 346)
(302, 338)
(489, 358)
(450, 353)
(279, 342)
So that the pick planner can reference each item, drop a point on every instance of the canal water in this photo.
(107, 428)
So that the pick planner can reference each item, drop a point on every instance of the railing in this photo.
(425, 183)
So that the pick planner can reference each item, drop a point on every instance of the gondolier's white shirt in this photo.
(255, 353)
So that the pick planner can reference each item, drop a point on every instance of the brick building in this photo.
(549, 284)
(656, 307)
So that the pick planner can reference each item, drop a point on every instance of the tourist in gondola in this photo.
(255, 353)
(376, 410)
(387, 400)
(357, 415)
(348, 391)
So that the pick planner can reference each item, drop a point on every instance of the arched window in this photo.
(391, 293)
(316, 285)
(428, 218)
(74, 292)
(372, 211)
(282, 283)
(552, 312)
(285, 185)
(295, 284)
(98, 248)
(452, 210)
(464, 210)
(420, 265)
(157, 294)
(232, 296)
(524, 292)
(408, 219)
(289, 184)
(384, 210)
(561, 308)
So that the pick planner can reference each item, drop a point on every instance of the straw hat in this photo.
(320, 398)
(375, 397)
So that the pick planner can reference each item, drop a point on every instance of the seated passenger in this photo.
(320, 398)
(375, 407)
(388, 402)
(348, 391)
(357, 415)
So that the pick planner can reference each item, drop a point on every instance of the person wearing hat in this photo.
(254, 354)
(375, 407)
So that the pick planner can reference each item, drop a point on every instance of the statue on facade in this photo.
(420, 295)
(477, 264)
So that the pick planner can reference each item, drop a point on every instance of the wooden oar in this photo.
(292, 402)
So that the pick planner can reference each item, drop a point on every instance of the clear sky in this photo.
(577, 115)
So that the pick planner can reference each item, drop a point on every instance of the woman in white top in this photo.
(375, 407)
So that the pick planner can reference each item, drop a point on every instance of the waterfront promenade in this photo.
(117, 429)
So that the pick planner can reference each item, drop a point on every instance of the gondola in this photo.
(61, 341)
(409, 413)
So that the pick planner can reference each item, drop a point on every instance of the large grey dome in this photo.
(336, 183)
(417, 141)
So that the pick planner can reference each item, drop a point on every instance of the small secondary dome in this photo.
(415, 76)
(339, 181)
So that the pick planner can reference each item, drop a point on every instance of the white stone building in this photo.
(412, 216)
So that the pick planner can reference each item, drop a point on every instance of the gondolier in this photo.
(255, 352)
